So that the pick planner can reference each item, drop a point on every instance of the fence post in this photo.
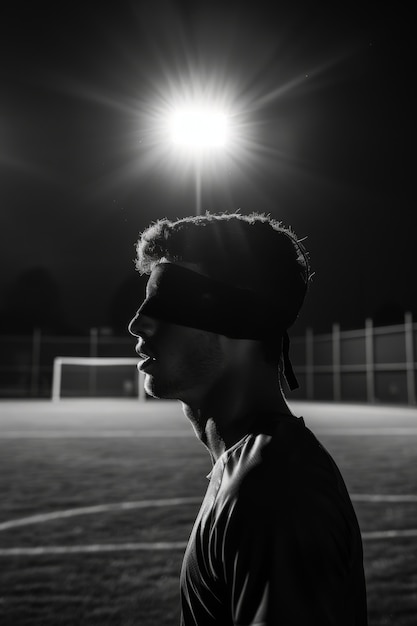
(409, 357)
(141, 386)
(56, 379)
(336, 363)
(370, 361)
(35, 365)
(92, 377)
(310, 363)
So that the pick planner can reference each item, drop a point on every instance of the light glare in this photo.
(199, 128)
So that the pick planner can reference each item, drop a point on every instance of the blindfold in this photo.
(180, 296)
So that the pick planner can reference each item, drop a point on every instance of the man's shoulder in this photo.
(277, 458)
(264, 450)
(273, 442)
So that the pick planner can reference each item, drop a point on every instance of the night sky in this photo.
(320, 92)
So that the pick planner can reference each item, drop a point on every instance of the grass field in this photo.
(98, 498)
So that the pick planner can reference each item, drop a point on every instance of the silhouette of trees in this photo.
(33, 300)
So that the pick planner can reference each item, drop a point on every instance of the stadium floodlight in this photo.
(199, 130)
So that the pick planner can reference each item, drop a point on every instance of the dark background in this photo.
(322, 91)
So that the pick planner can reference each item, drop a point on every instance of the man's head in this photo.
(252, 252)
(241, 276)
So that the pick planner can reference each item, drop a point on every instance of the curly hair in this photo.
(252, 252)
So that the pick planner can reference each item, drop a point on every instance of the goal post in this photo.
(135, 378)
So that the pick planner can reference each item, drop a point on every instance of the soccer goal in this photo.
(83, 377)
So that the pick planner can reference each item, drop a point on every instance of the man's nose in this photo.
(142, 325)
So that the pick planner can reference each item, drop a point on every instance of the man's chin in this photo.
(158, 391)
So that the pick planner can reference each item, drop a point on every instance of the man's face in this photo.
(179, 362)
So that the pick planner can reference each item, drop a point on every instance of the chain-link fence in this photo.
(372, 364)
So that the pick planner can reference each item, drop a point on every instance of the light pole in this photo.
(200, 131)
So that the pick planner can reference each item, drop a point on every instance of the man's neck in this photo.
(224, 420)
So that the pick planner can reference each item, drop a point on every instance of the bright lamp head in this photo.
(199, 128)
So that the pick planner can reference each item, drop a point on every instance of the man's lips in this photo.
(146, 363)
(146, 356)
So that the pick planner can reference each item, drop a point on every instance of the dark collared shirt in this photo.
(276, 541)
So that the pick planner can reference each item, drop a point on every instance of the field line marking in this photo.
(162, 545)
(94, 548)
(374, 497)
(355, 432)
(98, 508)
(389, 534)
(92, 434)
(141, 504)
(134, 432)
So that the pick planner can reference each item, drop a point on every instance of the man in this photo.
(276, 541)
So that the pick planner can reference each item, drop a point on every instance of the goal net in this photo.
(82, 377)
